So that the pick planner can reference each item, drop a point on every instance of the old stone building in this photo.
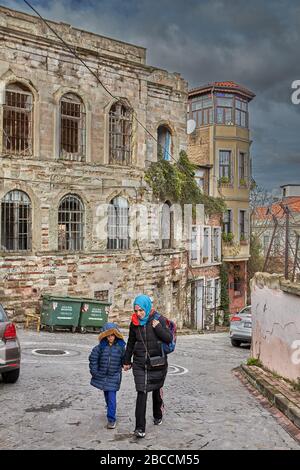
(219, 145)
(68, 149)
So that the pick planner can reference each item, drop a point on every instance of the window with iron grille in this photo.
(16, 221)
(70, 223)
(72, 128)
(17, 120)
(101, 295)
(118, 224)
(120, 133)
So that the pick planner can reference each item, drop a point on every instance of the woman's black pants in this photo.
(141, 405)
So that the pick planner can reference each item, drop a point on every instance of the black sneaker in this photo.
(139, 433)
(157, 421)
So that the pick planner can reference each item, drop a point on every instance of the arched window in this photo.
(70, 223)
(17, 120)
(120, 130)
(164, 143)
(16, 221)
(118, 224)
(72, 128)
(167, 225)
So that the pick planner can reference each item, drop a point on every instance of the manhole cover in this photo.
(50, 352)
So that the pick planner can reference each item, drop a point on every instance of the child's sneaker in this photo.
(139, 433)
(157, 421)
(111, 425)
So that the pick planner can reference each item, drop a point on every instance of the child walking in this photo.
(105, 361)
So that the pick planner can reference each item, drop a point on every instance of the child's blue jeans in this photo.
(111, 402)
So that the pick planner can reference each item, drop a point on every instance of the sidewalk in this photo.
(278, 391)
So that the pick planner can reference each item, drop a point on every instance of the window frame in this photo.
(18, 89)
(117, 213)
(164, 150)
(65, 237)
(72, 125)
(120, 129)
(227, 224)
(223, 166)
(14, 206)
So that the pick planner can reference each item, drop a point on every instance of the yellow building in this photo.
(219, 144)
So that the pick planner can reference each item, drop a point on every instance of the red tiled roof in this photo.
(293, 203)
(227, 84)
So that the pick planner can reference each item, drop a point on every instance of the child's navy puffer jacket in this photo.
(106, 361)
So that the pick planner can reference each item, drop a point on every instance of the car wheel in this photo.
(235, 343)
(10, 377)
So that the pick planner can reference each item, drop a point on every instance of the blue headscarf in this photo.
(145, 303)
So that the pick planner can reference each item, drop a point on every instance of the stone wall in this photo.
(25, 279)
(199, 143)
(32, 56)
(276, 324)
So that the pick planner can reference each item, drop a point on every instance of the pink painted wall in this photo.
(276, 325)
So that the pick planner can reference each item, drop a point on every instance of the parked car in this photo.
(241, 327)
(10, 350)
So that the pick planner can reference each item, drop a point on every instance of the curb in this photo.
(286, 406)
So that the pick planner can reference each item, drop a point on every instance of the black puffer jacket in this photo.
(146, 378)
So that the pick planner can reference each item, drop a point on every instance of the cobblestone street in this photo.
(52, 406)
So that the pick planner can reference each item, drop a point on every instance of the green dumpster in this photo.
(94, 314)
(60, 311)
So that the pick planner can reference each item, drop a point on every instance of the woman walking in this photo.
(150, 365)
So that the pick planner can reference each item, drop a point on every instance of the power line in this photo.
(101, 83)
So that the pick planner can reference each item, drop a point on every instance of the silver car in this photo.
(10, 351)
(241, 327)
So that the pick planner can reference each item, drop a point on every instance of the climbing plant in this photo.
(224, 291)
(176, 182)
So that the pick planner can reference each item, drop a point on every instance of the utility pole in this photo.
(272, 239)
(287, 228)
(296, 257)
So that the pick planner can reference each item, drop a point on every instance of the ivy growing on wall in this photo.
(176, 182)
(224, 290)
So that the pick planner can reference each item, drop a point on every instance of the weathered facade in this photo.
(204, 273)
(219, 144)
(68, 148)
(276, 324)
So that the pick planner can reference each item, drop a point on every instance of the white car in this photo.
(241, 327)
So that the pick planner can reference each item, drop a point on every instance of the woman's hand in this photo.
(155, 323)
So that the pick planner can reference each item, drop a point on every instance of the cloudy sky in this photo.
(256, 44)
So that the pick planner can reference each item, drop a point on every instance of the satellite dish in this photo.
(190, 126)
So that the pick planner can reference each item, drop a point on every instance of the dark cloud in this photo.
(254, 43)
